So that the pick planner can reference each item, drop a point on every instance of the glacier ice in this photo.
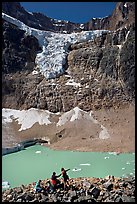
(51, 60)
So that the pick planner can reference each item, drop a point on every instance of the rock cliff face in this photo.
(123, 15)
(99, 73)
(38, 20)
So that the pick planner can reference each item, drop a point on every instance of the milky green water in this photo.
(38, 162)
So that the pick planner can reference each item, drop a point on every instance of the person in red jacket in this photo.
(65, 176)
(54, 181)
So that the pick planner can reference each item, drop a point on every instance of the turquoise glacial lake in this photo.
(38, 162)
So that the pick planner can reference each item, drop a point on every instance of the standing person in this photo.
(65, 176)
(54, 180)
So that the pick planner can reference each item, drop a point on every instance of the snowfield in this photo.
(27, 118)
(54, 46)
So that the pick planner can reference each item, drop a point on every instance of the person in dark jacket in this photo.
(65, 176)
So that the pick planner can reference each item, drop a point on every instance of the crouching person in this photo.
(38, 188)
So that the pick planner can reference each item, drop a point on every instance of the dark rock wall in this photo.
(18, 50)
(38, 20)
(18, 57)
(121, 17)
(104, 68)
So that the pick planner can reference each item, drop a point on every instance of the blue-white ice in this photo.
(51, 60)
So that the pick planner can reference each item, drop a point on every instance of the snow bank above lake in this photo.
(26, 118)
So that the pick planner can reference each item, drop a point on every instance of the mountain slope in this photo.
(122, 16)
(73, 130)
(97, 67)
(63, 72)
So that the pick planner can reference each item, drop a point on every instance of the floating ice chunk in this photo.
(114, 153)
(85, 164)
(38, 152)
(5, 184)
(75, 169)
(106, 157)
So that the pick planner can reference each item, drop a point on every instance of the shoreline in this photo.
(109, 189)
(21, 146)
(30, 142)
(80, 135)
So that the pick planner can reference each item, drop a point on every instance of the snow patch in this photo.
(104, 133)
(26, 118)
(72, 83)
(125, 5)
(119, 46)
(127, 34)
(82, 26)
(35, 72)
(75, 114)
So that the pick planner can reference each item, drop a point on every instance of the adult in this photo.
(54, 181)
(65, 176)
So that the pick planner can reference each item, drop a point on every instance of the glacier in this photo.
(51, 60)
